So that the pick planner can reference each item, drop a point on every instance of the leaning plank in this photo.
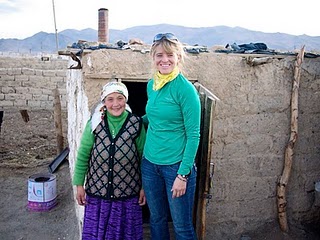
(283, 181)
(58, 120)
(55, 164)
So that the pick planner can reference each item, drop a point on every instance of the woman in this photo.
(173, 117)
(109, 158)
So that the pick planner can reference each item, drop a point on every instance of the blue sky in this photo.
(23, 18)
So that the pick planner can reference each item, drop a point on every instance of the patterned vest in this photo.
(114, 167)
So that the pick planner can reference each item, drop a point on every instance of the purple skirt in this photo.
(112, 219)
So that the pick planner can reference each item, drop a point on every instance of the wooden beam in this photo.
(58, 120)
(288, 158)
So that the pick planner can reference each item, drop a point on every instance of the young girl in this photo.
(109, 159)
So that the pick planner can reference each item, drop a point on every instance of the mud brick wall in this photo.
(27, 82)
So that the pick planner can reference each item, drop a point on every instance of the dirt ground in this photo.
(29, 148)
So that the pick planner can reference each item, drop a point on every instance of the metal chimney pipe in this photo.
(103, 29)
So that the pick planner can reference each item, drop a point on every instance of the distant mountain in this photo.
(205, 36)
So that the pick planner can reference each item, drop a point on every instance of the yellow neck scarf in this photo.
(160, 80)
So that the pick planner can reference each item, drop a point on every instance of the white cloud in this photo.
(8, 6)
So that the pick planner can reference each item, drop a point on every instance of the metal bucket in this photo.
(42, 193)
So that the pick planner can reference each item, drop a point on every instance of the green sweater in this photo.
(87, 142)
(173, 115)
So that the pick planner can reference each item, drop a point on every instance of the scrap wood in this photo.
(55, 164)
(254, 61)
(76, 59)
(25, 115)
(283, 181)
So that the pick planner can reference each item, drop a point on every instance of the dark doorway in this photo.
(137, 102)
(137, 97)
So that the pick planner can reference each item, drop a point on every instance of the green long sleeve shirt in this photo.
(87, 142)
(173, 114)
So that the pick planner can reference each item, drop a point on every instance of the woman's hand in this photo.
(81, 196)
(179, 186)
(142, 198)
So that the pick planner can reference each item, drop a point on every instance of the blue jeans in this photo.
(157, 181)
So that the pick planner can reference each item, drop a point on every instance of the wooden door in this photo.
(203, 160)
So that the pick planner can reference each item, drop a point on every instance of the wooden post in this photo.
(58, 120)
(283, 181)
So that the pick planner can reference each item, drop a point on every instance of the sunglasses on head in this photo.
(168, 36)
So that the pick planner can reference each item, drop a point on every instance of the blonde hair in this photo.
(170, 46)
